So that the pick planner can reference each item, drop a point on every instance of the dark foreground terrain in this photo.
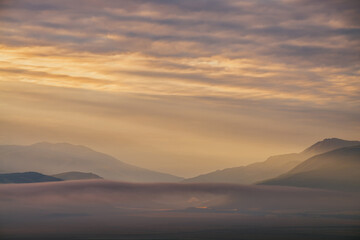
(100, 209)
(241, 233)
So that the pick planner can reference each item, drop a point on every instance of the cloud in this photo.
(263, 32)
(294, 62)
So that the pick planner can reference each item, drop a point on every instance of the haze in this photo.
(182, 87)
(113, 210)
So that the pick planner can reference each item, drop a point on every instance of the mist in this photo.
(79, 208)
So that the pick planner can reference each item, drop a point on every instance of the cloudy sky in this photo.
(183, 87)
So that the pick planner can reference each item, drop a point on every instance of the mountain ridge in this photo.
(75, 175)
(329, 144)
(337, 169)
(52, 158)
(26, 177)
(272, 166)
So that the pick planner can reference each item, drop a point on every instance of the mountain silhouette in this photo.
(76, 176)
(273, 166)
(338, 169)
(329, 144)
(26, 177)
(49, 158)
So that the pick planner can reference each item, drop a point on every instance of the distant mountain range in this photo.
(338, 169)
(26, 177)
(35, 177)
(331, 164)
(76, 176)
(273, 166)
(49, 159)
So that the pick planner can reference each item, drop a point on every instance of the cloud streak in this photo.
(279, 61)
(186, 32)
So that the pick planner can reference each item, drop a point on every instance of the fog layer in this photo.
(107, 207)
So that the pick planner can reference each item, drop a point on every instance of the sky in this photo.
(183, 87)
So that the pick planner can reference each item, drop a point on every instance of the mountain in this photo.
(273, 166)
(328, 144)
(51, 159)
(76, 176)
(26, 177)
(252, 173)
(338, 169)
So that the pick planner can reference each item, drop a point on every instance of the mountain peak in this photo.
(61, 146)
(26, 177)
(50, 158)
(337, 169)
(47, 144)
(329, 144)
(40, 144)
(328, 140)
(76, 175)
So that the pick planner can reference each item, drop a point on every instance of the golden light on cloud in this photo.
(181, 119)
(123, 73)
(175, 85)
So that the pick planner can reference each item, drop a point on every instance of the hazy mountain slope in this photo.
(63, 157)
(26, 177)
(273, 166)
(252, 173)
(327, 145)
(76, 176)
(338, 169)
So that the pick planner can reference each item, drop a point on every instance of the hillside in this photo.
(338, 169)
(273, 166)
(76, 176)
(26, 177)
(51, 159)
